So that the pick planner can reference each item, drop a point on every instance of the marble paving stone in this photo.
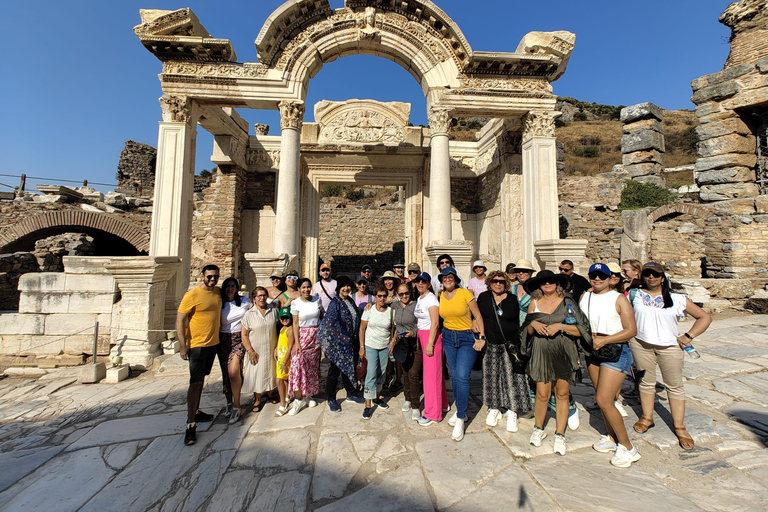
(351, 420)
(737, 389)
(750, 414)
(456, 470)
(164, 462)
(232, 435)
(758, 381)
(727, 491)
(335, 465)
(235, 491)
(580, 481)
(202, 482)
(390, 447)
(512, 489)
(18, 463)
(700, 427)
(140, 427)
(54, 386)
(20, 392)
(267, 422)
(403, 489)
(12, 410)
(517, 442)
(284, 492)
(51, 486)
(749, 459)
(707, 396)
(740, 445)
(120, 455)
(695, 371)
(20, 443)
(282, 450)
(735, 351)
(365, 445)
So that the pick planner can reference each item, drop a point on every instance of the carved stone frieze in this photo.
(291, 114)
(261, 159)
(440, 120)
(539, 123)
(175, 108)
(489, 158)
(215, 69)
(462, 163)
(363, 126)
(368, 24)
(261, 129)
(538, 85)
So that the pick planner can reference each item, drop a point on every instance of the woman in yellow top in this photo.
(461, 345)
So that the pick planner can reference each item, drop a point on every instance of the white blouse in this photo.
(232, 314)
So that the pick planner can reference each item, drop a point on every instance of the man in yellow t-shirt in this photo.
(197, 328)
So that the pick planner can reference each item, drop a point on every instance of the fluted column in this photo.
(439, 176)
(539, 198)
(174, 185)
(288, 191)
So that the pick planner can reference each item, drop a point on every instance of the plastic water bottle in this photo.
(570, 315)
(691, 351)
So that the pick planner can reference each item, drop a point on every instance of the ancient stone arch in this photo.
(668, 209)
(75, 219)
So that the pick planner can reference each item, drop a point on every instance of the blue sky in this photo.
(77, 83)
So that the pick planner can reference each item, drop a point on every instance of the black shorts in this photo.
(200, 362)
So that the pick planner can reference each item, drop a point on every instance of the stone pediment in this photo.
(362, 121)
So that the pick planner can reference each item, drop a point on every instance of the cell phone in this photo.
(401, 333)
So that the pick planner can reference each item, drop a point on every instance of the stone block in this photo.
(643, 124)
(722, 127)
(90, 283)
(640, 111)
(761, 218)
(762, 64)
(727, 175)
(761, 204)
(117, 374)
(652, 179)
(729, 160)
(735, 207)
(51, 199)
(733, 143)
(715, 92)
(642, 140)
(42, 282)
(21, 323)
(646, 169)
(86, 264)
(92, 373)
(61, 324)
(758, 303)
(47, 302)
(80, 302)
(115, 199)
(747, 98)
(728, 191)
(642, 157)
(728, 73)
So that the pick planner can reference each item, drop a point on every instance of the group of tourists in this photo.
(401, 330)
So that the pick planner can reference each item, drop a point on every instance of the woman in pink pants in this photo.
(428, 317)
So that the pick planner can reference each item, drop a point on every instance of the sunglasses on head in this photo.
(651, 273)
(597, 276)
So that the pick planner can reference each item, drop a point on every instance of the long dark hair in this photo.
(666, 291)
(224, 291)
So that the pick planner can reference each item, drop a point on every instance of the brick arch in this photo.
(129, 232)
(667, 209)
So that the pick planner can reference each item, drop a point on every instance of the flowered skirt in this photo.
(502, 388)
(304, 375)
(230, 347)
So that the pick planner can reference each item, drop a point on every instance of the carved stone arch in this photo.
(74, 219)
(668, 209)
(299, 37)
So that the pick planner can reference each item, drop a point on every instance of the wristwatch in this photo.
(688, 336)
(480, 337)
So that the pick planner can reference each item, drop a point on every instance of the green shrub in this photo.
(330, 191)
(587, 152)
(683, 141)
(355, 194)
(593, 140)
(640, 195)
(580, 116)
(559, 123)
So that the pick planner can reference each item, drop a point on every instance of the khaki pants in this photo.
(670, 362)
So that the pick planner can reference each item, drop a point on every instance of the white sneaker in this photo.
(604, 445)
(296, 406)
(559, 446)
(228, 410)
(312, 402)
(624, 458)
(511, 421)
(234, 416)
(621, 408)
(452, 419)
(425, 422)
(406, 406)
(537, 436)
(458, 430)
(415, 414)
(492, 419)
(573, 419)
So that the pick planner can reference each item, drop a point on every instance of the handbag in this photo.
(519, 361)
(609, 353)
(361, 369)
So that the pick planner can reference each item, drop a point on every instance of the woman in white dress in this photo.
(260, 329)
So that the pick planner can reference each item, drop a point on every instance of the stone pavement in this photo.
(65, 446)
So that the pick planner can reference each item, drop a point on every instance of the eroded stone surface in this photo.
(335, 465)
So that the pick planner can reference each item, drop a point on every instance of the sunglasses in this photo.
(325, 270)
(413, 272)
(402, 294)
(444, 262)
(366, 271)
(597, 276)
(498, 281)
(261, 296)
(381, 296)
(291, 277)
(549, 282)
(563, 269)
(210, 277)
(650, 273)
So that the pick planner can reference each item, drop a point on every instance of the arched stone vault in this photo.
(76, 219)
(667, 209)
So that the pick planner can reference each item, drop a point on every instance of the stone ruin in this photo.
(642, 145)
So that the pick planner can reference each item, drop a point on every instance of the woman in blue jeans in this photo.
(457, 307)
(375, 338)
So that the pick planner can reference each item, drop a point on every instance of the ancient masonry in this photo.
(642, 145)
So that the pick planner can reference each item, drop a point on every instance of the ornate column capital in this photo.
(440, 120)
(291, 114)
(539, 123)
(176, 109)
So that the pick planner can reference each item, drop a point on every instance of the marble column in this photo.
(288, 192)
(174, 186)
(439, 176)
(541, 219)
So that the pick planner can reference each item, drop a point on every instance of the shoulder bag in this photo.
(519, 361)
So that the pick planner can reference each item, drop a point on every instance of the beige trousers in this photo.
(670, 362)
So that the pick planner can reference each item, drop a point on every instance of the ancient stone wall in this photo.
(642, 145)
(353, 235)
(260, 190)
(679, 241)
(464, 194)
(489, 189)
(136, 168)
(12, 266)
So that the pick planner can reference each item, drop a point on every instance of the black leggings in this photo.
(332, 381)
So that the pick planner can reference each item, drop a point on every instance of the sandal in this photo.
(686, 441)
(643, 424)
(281, 411)
(274, 399)
(258, 406)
